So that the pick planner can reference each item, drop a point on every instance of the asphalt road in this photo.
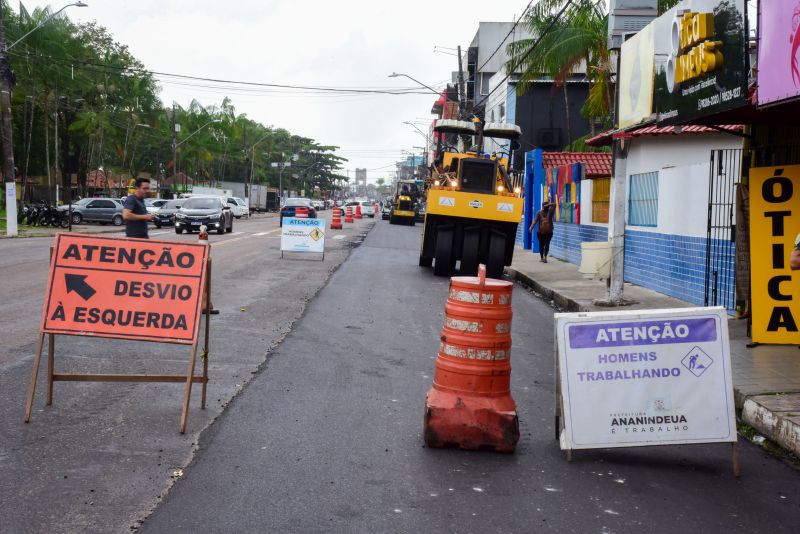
(103, 455)
(327, 436)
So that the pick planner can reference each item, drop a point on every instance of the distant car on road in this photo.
(154, 204)
(166, 215)
(386, 211)
(290, 206)
(102, 210)
(209, 211)
(368, 209)
(238, 207)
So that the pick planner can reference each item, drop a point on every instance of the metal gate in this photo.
(720, 276)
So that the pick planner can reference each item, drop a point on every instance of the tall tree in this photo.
(567, 37)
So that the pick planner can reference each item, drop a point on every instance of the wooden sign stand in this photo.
(189, 378)
(560, 425)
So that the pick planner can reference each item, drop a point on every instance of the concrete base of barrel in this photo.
(473, 423)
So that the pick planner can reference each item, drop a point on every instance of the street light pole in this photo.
(431, 89)
(175, 144)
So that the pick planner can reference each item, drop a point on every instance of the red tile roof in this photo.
(604, 139)
(598, 164)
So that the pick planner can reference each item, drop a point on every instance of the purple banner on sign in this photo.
(628, 333)
(778, 51)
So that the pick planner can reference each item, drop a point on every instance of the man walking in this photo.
(544, 218)
(135, 212)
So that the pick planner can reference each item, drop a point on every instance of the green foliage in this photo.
(561, 43)
(76, 80)
(666, 5)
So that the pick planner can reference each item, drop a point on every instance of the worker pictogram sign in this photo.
(125, 288)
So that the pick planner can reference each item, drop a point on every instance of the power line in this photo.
(141, 71)
(535, 45)
(513, 27)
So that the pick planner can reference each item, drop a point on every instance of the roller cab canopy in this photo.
(452, 126)
(502, 130)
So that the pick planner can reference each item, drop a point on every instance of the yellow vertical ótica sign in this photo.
(774, 225)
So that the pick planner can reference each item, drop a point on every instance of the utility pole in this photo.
(462, 88)
(6, 80)
(616, 227)
(175, 149)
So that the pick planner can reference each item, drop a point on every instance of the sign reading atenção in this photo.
(125, 288)
(640, 378)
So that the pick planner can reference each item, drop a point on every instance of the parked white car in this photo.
(238, 207)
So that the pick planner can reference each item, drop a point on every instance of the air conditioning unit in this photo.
(548, 138)
(627, 17)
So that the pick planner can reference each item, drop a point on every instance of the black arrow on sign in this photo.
(77, 283)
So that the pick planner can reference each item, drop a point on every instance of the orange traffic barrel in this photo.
(301, 212)
(349, 217)
(358, 212)
(469, 405)
(336, 221)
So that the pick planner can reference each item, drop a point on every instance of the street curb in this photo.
(565, 303)
(781, 427)
(103, 231)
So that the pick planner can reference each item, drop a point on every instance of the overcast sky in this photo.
(347, 43)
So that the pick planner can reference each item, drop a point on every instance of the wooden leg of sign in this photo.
(188, 393)
(51, 352)
(568, 453)
(35, 374)
(737, 469)
(207, 333)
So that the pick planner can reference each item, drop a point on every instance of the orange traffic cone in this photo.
(470, 405)
(358, 212)
(336, 221)
(349, 217)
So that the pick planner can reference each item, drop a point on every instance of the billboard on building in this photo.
(778, 51)
(637, 62)
(774, 232)
(700, 59)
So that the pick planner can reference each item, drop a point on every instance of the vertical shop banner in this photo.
(638, 378)
(778, 51)
(700, 59)
(637, 62)
(774, 226)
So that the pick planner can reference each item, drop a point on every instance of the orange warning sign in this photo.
(125, 288)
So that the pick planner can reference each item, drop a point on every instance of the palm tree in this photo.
(564, 37)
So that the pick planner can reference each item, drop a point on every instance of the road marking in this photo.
(260, 234)
(159, 233)
(340, 236)
(246, 236)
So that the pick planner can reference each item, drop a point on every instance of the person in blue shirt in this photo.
(134, 212)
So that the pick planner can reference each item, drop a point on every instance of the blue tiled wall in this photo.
(675, 265)
(567, 239)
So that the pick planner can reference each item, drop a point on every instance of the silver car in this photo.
(102, 210)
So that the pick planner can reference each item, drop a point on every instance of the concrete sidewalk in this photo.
(766, 378)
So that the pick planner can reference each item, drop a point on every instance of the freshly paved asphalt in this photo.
(102, 456)
(327, 436)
